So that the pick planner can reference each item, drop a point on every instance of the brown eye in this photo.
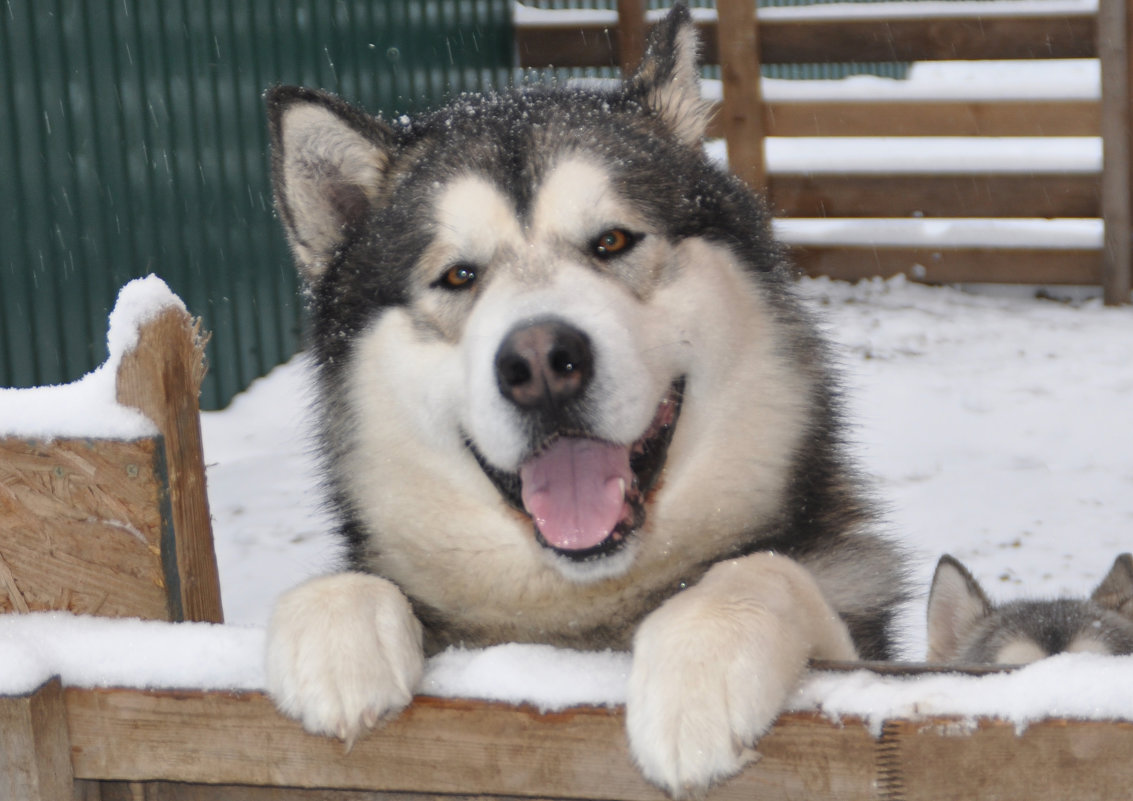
(613, 242)
(459, 276)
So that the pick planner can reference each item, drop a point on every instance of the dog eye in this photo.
(614, 242)
(459, 276)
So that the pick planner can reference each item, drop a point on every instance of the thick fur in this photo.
(964, 627)
(426, 246)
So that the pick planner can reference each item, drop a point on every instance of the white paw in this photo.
(343, 652)
(713, 666)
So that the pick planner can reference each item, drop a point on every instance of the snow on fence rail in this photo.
(996, 31)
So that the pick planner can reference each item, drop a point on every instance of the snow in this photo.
(48, 412)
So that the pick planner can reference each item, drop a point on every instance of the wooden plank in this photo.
(933, 118)
(742, 110)
(436, 746)
(823, 41)
(35, 749)
(1115, 36)
(908, 195)
(631, 34)
(86, 524)
(952, 266)
(948, 760)
(162, 377)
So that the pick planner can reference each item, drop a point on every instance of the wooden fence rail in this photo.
(742, 40)
(112, 744)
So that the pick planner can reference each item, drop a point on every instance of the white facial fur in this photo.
(663, 311)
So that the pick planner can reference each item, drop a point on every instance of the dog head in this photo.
(965, 627)
(546, 325)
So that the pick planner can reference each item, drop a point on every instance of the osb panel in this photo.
(82, 525)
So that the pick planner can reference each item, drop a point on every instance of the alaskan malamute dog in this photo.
(567, 397)
(964, 627)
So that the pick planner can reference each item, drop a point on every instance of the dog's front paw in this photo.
(343, 652)
(713, 666)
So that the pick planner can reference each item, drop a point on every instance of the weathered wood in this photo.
(85, 524)
(952, 266)
(798, 40)
(933, 118)
(471, 749)
(949, 760)
(909, 195)
(436, 746)
(1115, 34)
(162, 377)
(631, 34)
(35, 750)
(742, 110)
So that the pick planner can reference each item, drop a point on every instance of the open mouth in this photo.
(586, 496)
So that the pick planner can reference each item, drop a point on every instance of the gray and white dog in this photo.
(567, 396)
(964, 627)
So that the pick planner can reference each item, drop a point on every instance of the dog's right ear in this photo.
(956, 602)
(328, 160)
(1116, 589)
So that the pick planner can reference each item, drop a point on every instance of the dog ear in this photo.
(328, 160)
(667, 80)
(1116, 589)
(955, 603)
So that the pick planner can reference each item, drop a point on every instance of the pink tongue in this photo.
(575, 491)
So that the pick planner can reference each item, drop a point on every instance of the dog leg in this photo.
(713, 666)
(343, 652)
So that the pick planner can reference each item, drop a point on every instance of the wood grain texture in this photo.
(485, 750)
(162, 377)
(35, 752)
(84, 523)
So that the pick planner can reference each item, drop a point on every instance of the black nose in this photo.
(544, 364)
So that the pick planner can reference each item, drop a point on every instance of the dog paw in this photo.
(713, 666)
(343, 652)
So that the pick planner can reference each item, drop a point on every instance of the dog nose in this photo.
(544, 364)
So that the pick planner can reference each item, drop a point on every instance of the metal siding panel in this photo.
(132, 140)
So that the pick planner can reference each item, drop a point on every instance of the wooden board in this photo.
(35, 752)
(478, 749)
(923, 118)
(87, 529)
(953, 266)
(824, 41)
(906, 195)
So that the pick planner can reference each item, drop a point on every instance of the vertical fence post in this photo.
(631, 35)
(1114, 23)
(742, 109)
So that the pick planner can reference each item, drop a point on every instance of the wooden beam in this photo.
(631, 35)
(797, 40)
(934, 195)
(952, 266)
(474, 749)
(1115, 33)
(35, 751)
(742, 110)
(436, 746)
(162, 378)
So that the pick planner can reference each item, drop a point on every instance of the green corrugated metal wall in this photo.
(132, 141)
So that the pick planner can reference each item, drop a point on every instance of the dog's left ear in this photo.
(956, 603)
(1116, 589)
(667, 80)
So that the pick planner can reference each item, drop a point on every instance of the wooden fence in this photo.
(744, 40)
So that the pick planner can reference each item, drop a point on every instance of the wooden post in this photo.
(35, 749)
(162, 378)
(631, 35)
(1115, 31)
(742, 109)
